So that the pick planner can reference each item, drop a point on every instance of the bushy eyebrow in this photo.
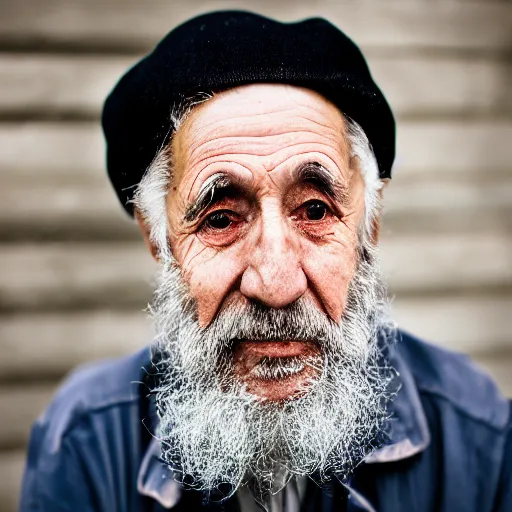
(325, 180)
(208, 194)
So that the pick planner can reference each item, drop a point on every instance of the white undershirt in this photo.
(288, 499)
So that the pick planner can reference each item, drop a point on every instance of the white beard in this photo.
(213, 432)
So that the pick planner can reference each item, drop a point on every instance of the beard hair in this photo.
(214, 435)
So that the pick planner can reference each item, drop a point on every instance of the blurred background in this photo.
(74, 274)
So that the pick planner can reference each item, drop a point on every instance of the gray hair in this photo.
(151, 193)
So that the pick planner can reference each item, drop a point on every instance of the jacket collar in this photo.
(409, 435)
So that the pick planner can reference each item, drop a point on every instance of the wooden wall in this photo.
(74, 275)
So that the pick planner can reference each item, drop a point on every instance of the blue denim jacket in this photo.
(450, 447)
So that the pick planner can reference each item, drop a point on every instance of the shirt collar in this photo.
(409, 434)
(156, 480)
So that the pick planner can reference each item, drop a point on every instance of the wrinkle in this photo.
(234, 141)
(188, 265)
(267, 154)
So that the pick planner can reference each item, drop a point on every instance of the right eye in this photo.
(218, 220)
(220, 228)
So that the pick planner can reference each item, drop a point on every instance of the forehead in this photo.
(265, 99)
(262, 127)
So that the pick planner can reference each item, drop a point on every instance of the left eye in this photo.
(315, 210)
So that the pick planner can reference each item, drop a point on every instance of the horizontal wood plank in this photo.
(82, 275)
(119, 24)
(470, 323)
(447, 192)
(417, 85)
(47, 345)
(75, 151)
(25, 402)
(12, 464)
(460, 146)
(56, 84)
(69, 151)
(429, 85)
(75, 276)
(417, 264)
(56, 211)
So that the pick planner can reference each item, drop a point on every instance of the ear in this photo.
(375, 233)
(146, 234)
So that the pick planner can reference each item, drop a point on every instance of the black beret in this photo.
(225, 49)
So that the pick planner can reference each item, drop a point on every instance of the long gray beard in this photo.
(213, 432)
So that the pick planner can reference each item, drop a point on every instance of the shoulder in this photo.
(455, 380)
(78, 438)
(469, 424)
(93, 387)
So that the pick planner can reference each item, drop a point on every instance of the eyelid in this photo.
(230, 213)
(222, 204)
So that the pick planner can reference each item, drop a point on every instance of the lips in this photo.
(276, 370)
(253, 351)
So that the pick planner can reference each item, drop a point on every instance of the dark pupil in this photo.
(219, 221)
(315, 211)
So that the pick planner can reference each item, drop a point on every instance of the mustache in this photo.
(204, 353)
(300, 321)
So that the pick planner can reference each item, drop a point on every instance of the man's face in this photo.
(269, 309)
(266, 206)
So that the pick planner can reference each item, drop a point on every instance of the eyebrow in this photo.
(218, 185)
(208, 194)
(325, 180)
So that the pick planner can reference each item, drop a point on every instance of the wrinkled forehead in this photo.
(266, 121)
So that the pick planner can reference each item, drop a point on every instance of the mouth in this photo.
(277, 370)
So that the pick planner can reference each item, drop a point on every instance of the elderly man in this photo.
(253, 155)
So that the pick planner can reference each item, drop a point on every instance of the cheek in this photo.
(210, 274)
(329, 269)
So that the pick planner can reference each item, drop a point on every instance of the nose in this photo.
(274, 276)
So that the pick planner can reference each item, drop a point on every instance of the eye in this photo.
(315, 210)
(218, 220)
